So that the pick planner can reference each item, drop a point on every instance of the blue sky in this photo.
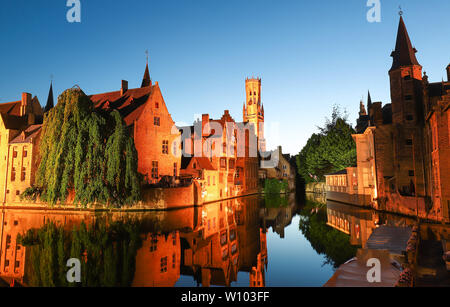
(309, 54)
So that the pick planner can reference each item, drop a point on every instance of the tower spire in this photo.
(146, 81)
(50, 101)
(404, 53)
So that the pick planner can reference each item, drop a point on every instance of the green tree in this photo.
(87, 151)
(325, 240)
(330, 150)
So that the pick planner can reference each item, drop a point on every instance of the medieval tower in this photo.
(407, 115)
(253, 111)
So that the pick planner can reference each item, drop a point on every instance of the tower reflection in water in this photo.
(205, 246)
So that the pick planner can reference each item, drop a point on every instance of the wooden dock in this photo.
(391, 238)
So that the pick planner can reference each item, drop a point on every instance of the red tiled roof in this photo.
(12, 108)
(27, 135)
(202, 163)
(14, 122)
(130, 104)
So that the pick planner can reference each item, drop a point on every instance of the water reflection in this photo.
(254, 241)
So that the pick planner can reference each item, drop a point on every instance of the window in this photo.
(408, 97)
(8, 242)
(155, 170)
(13, 174)
(17, 193)
(407, 77)
(174, 239)
(156, 121)
(409, 117)
(223, 238)
(165, 147)
(231, 164)
(223, 163)
(175, 169)
(24, 174)
(156, 105)
(409, 142)
(153, 243)
(174, 260)
(209, 181)
(214, 180)
(164, 265)
(25, 153)
(411, 173)
(174, 151)
(14, 153)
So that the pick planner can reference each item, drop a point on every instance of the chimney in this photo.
(205, 120)
(448, 73)
(25, 107)
(124, 87)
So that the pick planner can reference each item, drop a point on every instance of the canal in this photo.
(254, 241)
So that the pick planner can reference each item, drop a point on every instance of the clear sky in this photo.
(309, 54)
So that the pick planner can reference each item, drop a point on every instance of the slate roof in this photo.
(404, 53)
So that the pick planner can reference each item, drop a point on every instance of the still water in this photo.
(253, 241)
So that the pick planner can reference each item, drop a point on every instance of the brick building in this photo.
(222, 154)
(155, 135)
(404, 154)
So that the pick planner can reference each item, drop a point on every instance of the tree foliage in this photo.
(86, 151)
(107, 253)
(325, 240)
(331, 149)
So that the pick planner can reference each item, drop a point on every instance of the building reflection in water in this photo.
(210, 243)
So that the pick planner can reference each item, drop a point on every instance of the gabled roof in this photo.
(404, 53)
(12, 108)
(202, 163)
(14, 122)
(27, 135)
(130, 104)
(438, 89)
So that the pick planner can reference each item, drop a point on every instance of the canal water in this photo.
(254, 241)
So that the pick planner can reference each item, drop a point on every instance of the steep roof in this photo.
(50, 101)
(12, 108)
(203, 163)
(146, 81)
(404, 53)
(14, 122)
(27, 135)
(130, 104)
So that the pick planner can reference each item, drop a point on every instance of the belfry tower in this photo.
(253, 111)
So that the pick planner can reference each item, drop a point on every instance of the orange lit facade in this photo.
(154, 132)
(253, 111)
(19, 135)
(14, 258)
(158, 261)
(222, 155)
